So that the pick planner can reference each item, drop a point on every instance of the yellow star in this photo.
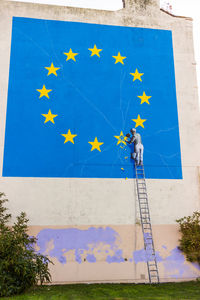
(139, 122)
(69, 137)
(144, 98)
(95, 51)
(121, 138)
(52, 70)
(95, 144)
(119, 58)
(70, 55)
(44, 92)
(137, 75)
(49, 117)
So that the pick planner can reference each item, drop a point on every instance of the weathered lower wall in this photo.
(59, 207)
(111, 253)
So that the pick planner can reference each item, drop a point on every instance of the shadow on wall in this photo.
(103, 244)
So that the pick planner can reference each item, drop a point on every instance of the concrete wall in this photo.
(102, 213)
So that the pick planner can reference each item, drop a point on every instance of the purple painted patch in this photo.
(164, 247)
(116, 258)
(91, 258)
(75, 239)
(130, 259)
(144, 256)
(175, 265)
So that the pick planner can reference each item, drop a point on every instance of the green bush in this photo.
(190, 237)
(20, 266)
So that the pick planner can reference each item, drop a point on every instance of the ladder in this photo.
(146, 224)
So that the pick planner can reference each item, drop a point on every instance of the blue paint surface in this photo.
(93, 97)
(77, 240)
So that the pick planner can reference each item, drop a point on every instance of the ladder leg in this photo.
(146, 224)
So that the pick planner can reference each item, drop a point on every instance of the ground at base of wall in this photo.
(165, 291)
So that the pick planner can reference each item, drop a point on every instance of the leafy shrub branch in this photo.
(20, 266)
(190, 237)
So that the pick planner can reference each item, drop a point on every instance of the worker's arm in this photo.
(132, 140)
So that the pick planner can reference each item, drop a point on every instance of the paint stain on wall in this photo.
(174, 263)
(81, 242)
(142, 256)
(88, 245)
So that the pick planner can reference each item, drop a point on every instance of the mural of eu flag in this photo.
(75, 91)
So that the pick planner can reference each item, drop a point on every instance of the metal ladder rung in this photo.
(143, 193)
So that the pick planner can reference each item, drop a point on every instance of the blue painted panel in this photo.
(93, 97)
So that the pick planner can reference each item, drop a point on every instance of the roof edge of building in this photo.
(176, 16)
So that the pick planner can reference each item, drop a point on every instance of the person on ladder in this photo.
(136, 139)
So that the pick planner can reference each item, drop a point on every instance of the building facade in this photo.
(84, 210)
